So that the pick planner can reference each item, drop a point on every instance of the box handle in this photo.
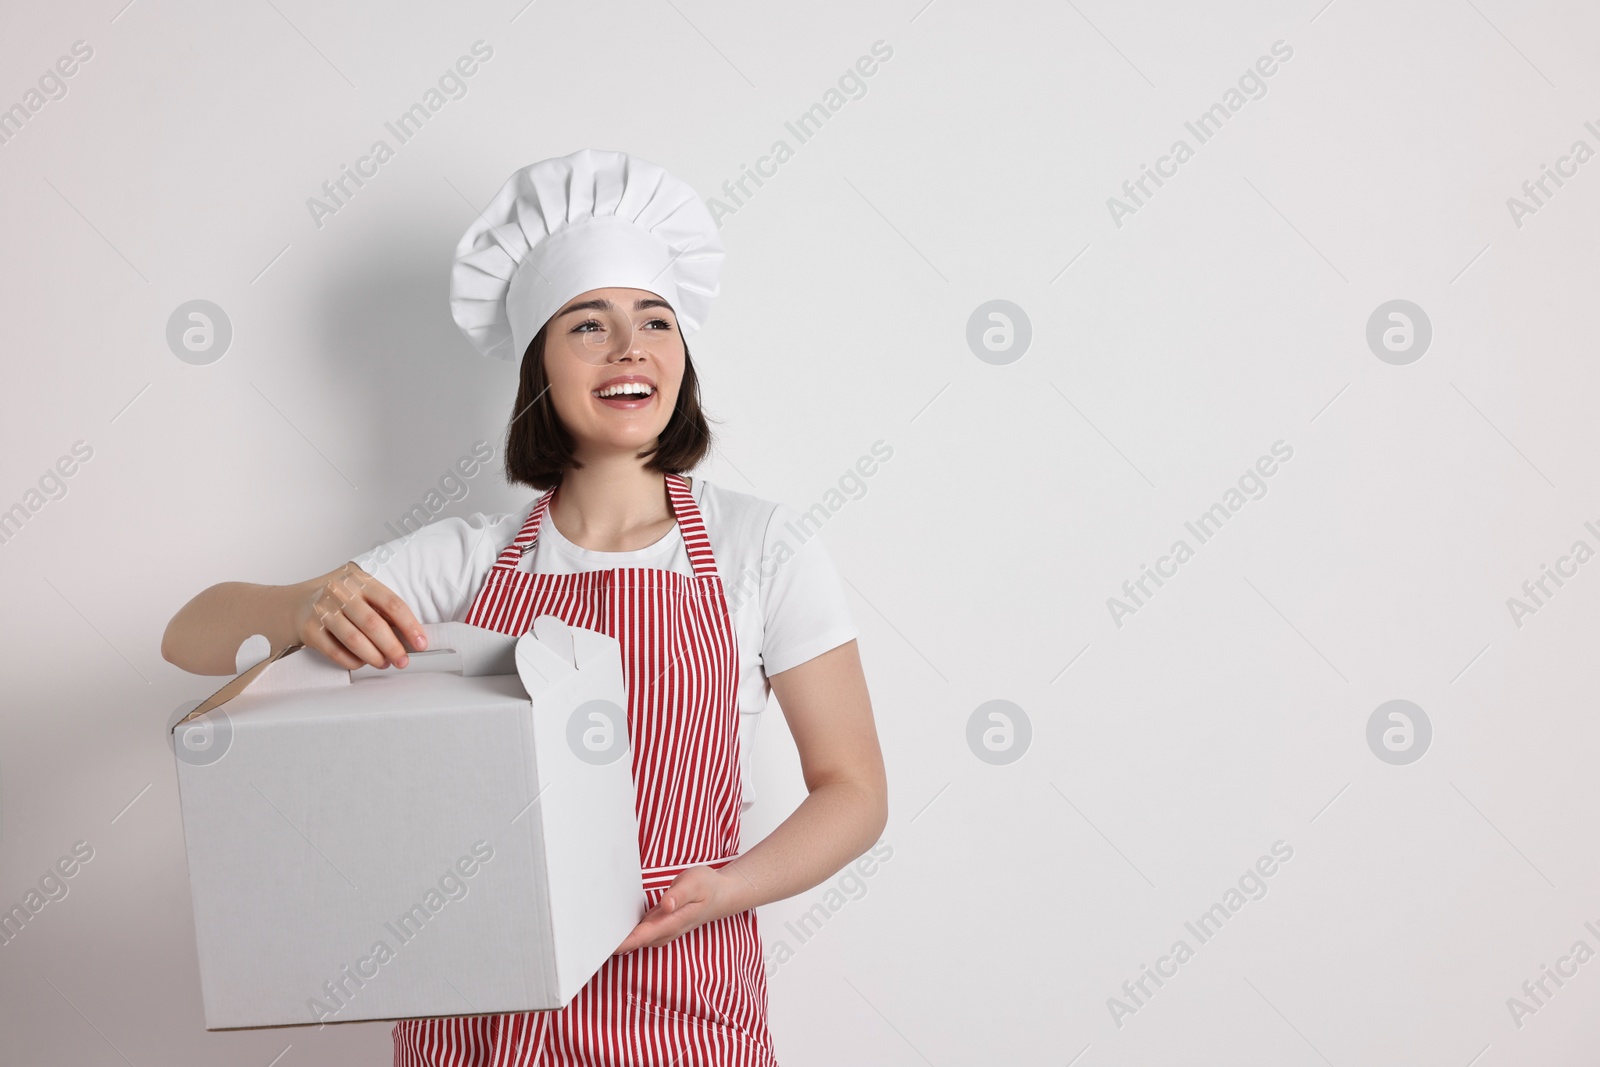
(442, 660)
(453, 646)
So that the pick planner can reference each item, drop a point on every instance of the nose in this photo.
(632, 351)
(629, 343)
(616, 339)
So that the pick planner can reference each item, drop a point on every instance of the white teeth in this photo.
(633, 388)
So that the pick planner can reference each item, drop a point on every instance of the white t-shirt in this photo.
(784, 594)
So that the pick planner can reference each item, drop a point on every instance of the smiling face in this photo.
(614, 360)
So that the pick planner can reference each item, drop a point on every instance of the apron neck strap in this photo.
(690, 523)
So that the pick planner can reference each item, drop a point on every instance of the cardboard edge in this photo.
(234, 687)
(480, 651)
(553, 966)
(358, 1022)
(550, 976)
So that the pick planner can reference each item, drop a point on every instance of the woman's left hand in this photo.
(698, 895)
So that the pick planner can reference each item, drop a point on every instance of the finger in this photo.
(629, 943)
(349, 637)
(397, 611)
(378, 630)
(638, 937)
(656, 915)
(690, 886)
(333, 633)
(323, 641)
(671, 926)
(321, 638)
(679, 915)
(361, 603)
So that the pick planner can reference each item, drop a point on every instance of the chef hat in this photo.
(592, 220)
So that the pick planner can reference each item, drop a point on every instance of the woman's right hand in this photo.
(354, 619)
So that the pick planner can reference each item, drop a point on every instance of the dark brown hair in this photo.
(539, 449)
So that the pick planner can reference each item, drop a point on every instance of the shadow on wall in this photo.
(412, 384)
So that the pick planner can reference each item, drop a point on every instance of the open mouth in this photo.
(625, 394)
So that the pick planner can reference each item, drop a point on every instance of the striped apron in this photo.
(700, 1000)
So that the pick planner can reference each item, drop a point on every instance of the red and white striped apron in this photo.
(700, 1000)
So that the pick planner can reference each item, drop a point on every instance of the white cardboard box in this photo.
(454, 838)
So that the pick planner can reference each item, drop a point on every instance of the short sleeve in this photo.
(803, 608)
(433, 569)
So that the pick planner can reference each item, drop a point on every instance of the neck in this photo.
(609, 499)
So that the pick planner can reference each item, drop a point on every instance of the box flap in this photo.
(469, 650)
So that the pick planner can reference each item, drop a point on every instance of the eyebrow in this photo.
(602, 304)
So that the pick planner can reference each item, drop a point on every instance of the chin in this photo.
(631, 442)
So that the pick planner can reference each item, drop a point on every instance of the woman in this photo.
(590, 269)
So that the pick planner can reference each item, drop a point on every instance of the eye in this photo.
(579, 328)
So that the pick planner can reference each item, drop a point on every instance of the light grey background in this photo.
(1167, 354)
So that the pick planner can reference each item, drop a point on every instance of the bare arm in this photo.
(846, 807)
(829, 712)
(346, 614)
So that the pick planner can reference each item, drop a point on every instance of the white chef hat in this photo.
(592, 220)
